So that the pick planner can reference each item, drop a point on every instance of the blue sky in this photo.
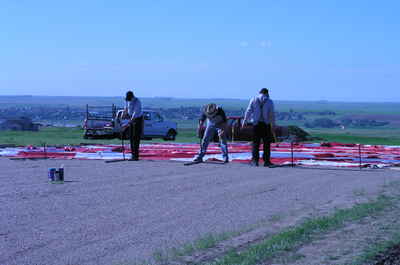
(301, 50)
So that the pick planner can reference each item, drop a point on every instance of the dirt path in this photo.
(122, 212)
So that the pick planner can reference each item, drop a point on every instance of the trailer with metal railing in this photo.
(107, 122)
(99, 122)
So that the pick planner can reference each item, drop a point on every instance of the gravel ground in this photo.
(122, 212)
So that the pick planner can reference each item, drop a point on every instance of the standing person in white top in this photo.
(261, 110)
(134, 109)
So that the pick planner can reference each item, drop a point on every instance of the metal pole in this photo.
(359, 155)
(45, 150)
(123, 145)
(291, 148)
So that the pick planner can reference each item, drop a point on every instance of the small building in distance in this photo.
(18, 124)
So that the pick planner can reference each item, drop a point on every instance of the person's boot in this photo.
(134, 158)
(269, 164)
(198, 159)
(226, 160)
(254, 163)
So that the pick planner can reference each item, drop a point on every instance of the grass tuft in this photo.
(294, 237)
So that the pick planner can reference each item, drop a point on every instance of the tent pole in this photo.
(45, 150)
(291, 149)
(359, 155)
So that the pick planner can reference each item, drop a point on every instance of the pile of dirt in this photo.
(298, 133)
(390, 257)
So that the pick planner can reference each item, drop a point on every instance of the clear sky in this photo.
(301, 50)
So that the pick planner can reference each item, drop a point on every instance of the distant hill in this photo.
(156, 102)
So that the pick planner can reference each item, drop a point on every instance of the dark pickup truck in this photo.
(235, 132)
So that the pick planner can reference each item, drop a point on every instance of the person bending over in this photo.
(216, 122)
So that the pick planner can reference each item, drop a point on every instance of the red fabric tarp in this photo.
(335, 154)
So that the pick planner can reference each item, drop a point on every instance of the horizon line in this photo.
(218, 98)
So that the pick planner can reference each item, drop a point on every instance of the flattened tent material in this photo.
(325, 154)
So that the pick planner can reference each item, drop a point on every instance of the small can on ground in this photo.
(60, 174)
(52, 174)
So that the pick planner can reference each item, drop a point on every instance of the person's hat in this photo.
(264, 91)
(211, 109)
(129, 95)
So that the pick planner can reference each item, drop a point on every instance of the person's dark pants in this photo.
(135, 132)
(263, 132)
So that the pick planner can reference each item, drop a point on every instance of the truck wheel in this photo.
(171, 135)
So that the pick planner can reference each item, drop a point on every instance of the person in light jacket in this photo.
(134, 110)
(261, 111)
(216, 123)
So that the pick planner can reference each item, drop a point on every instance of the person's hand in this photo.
(244, 123)
(199, 126)
(222, 130)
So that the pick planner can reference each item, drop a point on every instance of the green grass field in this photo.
(384, 136)
(73, 136)
(372, 140)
